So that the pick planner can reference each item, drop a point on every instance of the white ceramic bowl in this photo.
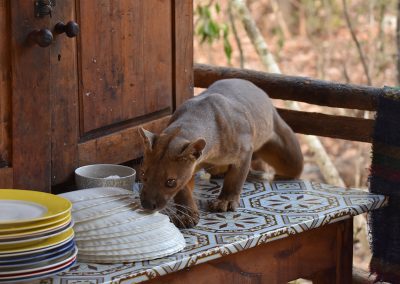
(105, 175)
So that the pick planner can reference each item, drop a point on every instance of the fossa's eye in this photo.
(171, 183)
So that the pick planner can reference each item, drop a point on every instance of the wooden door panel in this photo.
(125, 56)
(118, 147)
(64, 96)
(31, 113)
(5, 86)
(157, 41)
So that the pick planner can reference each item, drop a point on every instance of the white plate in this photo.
(34, 226)
(95, 202)
(132, 227)
(124, 249)
(160, 235)
(105, 209)
(112, 220)
(131, 258)
(39, 206)
(93, 193)
(20, 210)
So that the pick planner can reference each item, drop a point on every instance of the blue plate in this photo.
(36, 256)
(37, 261)
(44, 275)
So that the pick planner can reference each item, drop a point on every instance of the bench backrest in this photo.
(302, 89)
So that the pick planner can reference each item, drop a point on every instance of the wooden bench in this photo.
(317, 246)
(283, 230)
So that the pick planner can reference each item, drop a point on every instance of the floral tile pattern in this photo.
(268, 211)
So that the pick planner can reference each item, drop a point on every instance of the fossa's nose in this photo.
(148, 204)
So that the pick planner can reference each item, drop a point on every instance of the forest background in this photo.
(347, 41)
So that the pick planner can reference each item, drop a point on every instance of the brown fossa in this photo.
(225, 126)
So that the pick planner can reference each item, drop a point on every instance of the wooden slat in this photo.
(294, 88)
(344, 252)
(31, 113)
(118, 147)
(64, 98)
(5, 85)
(279, 261)
(6, 178)
(183, 50)
(157, 60)
(342, 127)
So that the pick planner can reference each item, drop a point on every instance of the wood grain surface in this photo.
(5, 85)
(323, 254)
(342, 127)
(31, 112)
(293, 88)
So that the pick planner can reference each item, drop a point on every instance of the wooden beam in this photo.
(119, 147)
(342, 127)
(293, 88)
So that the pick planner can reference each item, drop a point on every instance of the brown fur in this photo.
(225, 127)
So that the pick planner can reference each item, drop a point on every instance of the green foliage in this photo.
(209, 29)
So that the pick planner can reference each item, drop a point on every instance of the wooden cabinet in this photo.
(80, 100)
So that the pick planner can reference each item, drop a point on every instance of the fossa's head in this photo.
(168, 165)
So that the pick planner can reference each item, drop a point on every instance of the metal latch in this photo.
(44, 8)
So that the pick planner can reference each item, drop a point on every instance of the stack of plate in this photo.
(36, 235)
(110, 227)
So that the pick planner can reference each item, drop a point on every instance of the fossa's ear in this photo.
(148, 138)
(194, 149)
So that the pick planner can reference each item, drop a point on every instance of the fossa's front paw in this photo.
(185, 220)
(221, 205)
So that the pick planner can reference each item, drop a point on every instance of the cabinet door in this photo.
(125, 55)
(130, 66)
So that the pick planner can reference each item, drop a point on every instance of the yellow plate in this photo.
(12, 228)
(30, 241)
(24, 206)
(33, 232)
(44, 245)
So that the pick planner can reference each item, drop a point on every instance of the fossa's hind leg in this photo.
(284, 156)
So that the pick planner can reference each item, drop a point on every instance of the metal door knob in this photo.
(42, 37)
(71, 29)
